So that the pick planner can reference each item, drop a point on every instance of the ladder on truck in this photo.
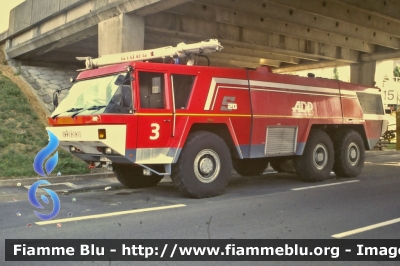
(182, 50)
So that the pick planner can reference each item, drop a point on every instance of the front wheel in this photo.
(203, 167)
(349, 153)
(317, 160)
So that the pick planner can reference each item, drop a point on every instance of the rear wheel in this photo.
(317, 160)
(349, 153)
(132, 176)
(250, 167)
(203, 167)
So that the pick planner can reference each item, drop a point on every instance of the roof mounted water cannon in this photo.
(182, 50)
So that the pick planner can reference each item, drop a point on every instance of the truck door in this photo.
(155, 118)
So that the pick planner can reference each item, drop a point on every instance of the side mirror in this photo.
(55, 97)
(55, 100)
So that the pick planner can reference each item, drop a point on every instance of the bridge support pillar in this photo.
(7, 46)
(363, 73)
(121, 34)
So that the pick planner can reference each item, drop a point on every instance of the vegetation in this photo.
(390, 146)
(23, 135)
(336, 73)
(18, 72)
(396, 71)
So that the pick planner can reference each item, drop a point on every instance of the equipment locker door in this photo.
(155, 117)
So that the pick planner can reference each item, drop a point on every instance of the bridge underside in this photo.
(287, 35)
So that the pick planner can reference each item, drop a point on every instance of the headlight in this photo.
(102, 134)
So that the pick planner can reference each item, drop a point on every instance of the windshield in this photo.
(111, 94)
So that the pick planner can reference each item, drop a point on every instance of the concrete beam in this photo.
(54, 39)
(154, 34)
(67, 41)
(58, 57)
(388, 8)
(235, 16)
(243, 60)
(83, 50)
(176, 37)
(260, 54)
(308, 66)
(153, 41)
(30, 13)
(345, 13)
(3, 36)
(363, 73)
(312, 21)
(167, 24)
(121, 34)
(79, 19)
(221, 62)
(158, 7)
(391, 55)
(223, 56)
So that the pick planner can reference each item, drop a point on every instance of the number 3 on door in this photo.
(155, 129)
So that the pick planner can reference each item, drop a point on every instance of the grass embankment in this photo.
(23, 135)
(390, 146)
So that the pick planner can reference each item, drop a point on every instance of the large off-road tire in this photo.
(349, 153)
(317, 160)
(250, 167)
(203, 167)
(132, 176)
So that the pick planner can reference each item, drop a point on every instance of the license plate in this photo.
(104, 159)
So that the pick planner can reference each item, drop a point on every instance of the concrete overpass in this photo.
(287, 35)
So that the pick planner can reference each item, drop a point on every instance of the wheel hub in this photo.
(320, 156)
(353, 154)
(207, 166)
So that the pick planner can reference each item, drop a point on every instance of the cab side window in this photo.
(152, 86)
(182, 85)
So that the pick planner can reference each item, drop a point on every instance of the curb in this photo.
(112, 186)
(54, 179)
(89, 188)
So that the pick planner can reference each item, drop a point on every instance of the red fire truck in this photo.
(146, 120)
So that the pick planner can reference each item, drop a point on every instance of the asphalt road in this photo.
(271, 206)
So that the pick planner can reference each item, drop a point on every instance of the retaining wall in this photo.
(44, 80)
